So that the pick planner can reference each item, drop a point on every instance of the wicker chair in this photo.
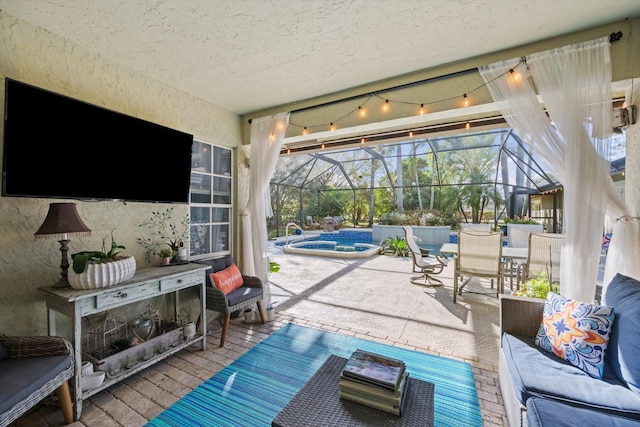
(424, 264)
(32, 368)
(479, 255)
(246, 296)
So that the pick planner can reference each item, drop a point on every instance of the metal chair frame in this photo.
(426, 265)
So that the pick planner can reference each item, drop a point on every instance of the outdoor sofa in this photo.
(541, 389)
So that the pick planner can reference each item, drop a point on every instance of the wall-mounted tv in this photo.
(59, 147)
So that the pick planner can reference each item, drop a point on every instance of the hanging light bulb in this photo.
(332, 126)
(288, 150)
(410, 134)
(467, 125)
(362, 112)
(322, 146)
(422, 111)
(515, 75)
(385, 106)
(362, 141)
(305, 131)
(465, 100)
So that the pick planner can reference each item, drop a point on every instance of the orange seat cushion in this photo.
(227, 280)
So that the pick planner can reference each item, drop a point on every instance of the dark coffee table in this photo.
(318, 403)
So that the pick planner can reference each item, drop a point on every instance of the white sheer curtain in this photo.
(267, 134)
(574, 83)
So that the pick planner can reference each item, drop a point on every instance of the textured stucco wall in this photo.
(37, 57)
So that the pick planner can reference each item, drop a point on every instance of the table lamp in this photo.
(62, 219)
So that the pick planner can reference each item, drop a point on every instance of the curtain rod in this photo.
(613, 37)
(402, 86)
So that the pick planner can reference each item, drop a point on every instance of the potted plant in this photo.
(164, 231)
(166, 254)
(100, 269)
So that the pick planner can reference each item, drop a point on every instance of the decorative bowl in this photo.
(103, 275)
(91, 381)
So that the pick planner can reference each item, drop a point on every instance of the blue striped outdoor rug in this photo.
(253, 389)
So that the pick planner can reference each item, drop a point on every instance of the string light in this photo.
(362, 112)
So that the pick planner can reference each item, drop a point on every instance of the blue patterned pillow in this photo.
(576, 332)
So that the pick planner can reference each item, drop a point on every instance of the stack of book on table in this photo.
(374, 380)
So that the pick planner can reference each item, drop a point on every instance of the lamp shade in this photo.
(62, 218)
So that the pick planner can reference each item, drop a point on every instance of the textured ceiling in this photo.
(248, 55)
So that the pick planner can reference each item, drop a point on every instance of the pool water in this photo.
(343, 238)
(346, 241)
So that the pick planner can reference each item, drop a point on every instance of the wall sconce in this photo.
(246, 151)
(62, 219)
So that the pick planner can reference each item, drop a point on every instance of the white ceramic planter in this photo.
(103, 275)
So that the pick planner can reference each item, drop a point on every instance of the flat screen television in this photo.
(59, 147)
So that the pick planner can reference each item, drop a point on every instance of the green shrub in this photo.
(396, 246)
(537, 287)
(520, 220)
(394, 218)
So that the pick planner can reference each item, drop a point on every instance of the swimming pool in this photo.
(341, 244)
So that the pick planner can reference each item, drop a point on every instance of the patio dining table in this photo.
(520, 254)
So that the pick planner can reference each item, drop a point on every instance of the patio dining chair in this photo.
(518, 237)
(543, 255)
(426, 265)
(479, 255)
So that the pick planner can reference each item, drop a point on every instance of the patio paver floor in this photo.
(369, 298)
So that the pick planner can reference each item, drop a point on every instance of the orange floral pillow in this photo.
(227, 280)
(577, 332)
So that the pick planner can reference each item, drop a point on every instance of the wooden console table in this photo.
(147, 283)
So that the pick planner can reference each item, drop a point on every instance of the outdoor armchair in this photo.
(246, 296)
(32, 368)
